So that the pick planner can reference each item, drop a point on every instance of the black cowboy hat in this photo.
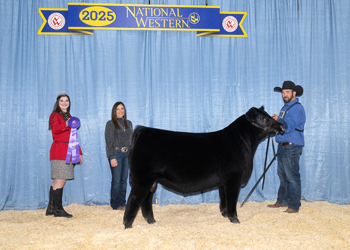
(290, 85)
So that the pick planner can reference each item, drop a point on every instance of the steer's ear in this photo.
(262, 108)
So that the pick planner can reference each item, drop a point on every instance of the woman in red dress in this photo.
(60, 170)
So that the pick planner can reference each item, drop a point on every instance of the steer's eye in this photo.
(263, 119)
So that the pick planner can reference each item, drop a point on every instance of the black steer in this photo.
(192, 162)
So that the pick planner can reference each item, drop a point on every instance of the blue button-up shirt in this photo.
(294, 119)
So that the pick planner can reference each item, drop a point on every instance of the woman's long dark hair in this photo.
(114, 116)
(57, 109)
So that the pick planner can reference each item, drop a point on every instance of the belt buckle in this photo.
(124, 149)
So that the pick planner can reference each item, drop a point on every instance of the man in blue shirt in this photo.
(290, 146)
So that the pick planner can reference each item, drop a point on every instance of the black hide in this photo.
(192, 162)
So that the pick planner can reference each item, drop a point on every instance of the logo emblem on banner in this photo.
(194, 18)
(56, 21)
(230, 24)
(82, 18)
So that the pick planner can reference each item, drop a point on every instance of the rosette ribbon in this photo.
(73, 146)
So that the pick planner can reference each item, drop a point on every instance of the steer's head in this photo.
(261, 119)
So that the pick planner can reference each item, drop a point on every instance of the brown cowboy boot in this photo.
(276, 205)
(290, 210)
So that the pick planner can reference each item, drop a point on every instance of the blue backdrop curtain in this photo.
(173, 80)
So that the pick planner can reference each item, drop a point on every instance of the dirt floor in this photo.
(318, 225)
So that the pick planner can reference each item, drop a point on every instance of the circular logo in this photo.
(56, 21)
(194, 18)
(230, 24)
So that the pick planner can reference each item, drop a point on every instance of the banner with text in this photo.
(82, 18)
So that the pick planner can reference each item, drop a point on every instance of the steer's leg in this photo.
(232, 189)
(146, 208)
(136, 197)
(223, 207)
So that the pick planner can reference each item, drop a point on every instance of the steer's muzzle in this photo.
(282, 130)
(277, 128)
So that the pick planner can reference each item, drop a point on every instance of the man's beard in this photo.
(287, 100)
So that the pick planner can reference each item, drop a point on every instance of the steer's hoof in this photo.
(234, 220)
(151, 221)
(223, 213)
(127, 225)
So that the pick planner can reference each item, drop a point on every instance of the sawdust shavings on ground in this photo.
(318, 225)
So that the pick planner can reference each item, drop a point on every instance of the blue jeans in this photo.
(289, 193)
(119, 179)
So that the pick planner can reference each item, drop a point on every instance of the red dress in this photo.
(60, 136)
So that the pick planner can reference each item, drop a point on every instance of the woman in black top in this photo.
(118, 141)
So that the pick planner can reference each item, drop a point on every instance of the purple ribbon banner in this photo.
(73, 146)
